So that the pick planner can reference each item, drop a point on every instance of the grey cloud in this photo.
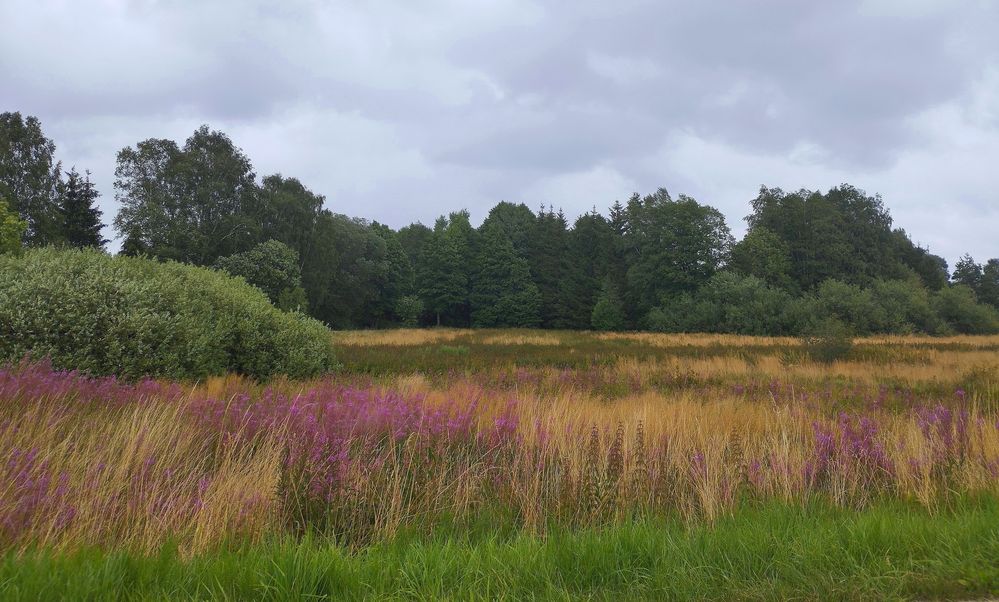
(402, 111)
(822, 70)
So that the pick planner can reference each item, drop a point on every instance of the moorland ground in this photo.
(518, 463)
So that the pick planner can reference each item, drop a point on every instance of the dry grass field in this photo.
(428, 432)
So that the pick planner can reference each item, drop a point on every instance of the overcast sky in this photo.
(401, 111)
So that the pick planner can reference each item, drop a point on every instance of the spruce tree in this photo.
(589, 251)
(81, 219)
(968, 273)
(502, 291)
(546, 249)
(444, 274)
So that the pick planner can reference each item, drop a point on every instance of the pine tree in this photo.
(623, 254)
(502, 291)
(81, 219)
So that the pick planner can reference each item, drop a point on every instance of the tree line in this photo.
(652, 262)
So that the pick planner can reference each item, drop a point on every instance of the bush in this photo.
(11, 230)
(728, 303)
(409, 308)
(681, 313)
(849, 304)
(904, 307)
(608, 312)
(828, 341)
(959, 308)
(133, 317)
(272, 267)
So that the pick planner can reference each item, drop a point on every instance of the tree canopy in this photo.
(651, 261)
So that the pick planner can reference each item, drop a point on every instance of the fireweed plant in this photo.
(136, 465)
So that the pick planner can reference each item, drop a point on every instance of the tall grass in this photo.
(96, 462)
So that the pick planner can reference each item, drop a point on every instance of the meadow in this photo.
(528, 464)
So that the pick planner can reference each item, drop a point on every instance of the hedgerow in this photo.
(133, 317)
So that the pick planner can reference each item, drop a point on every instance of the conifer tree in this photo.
(502, 291)
(968, 273)
(589, 251)
(444, 274)
(546, 249)
(81, 219)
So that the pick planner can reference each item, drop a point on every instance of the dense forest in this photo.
(653, 262)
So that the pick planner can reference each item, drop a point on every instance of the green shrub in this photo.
(849, 304)
(904, 307)
(272, 267)
(134, 316)
(728, 303)
(681, 313)
(959, 308)
(11, 229)
(409, 308)
(608, 312)
(828, 341)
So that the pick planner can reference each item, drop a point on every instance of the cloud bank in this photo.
(401, 111)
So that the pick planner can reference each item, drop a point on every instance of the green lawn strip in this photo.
(771, 552)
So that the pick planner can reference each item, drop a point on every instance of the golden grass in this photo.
(521, 339)
(423, 336)
(694, 340)
(401, 337)
(930, 366)
(136, 477)
(581, 457)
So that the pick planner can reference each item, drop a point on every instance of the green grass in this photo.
(768, 552)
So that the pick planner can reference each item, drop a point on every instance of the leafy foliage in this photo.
(133, 317)
(729, 303)
(843, 234)
(29, 177)
(191, 204)
(960, 310)
(828, 341)
(409, 308)
(11, 230)
(765, 255)
(672, 247)
(653, 262)
(272, 267)
(608, 312)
